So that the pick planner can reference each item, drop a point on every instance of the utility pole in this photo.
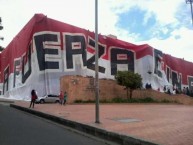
(190, 2)
(96, 65)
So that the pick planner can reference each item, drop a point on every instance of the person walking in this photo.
(65, 97)
(33, 98)
(61, 97)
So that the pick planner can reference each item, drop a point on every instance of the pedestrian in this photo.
(65, 97)
(33, 98)
(61, 97)
(164, 88)
(184, 90)
(187, 91)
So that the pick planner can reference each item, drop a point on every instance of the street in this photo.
(20, 128)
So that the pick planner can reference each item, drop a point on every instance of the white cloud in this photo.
(164, 10)
(15, 14)
(182, 47)
(179, 44)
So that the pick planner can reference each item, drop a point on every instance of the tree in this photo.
(130, 80)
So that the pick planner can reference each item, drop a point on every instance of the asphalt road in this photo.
(20, 128)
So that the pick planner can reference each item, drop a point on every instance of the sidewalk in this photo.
(164, 124)
(2, 100)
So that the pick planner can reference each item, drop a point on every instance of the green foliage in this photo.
(78, 101)
(125, 100)
(148, 100)
(84, 101)
(91, 101)
(169, 101)
(129, 79)
(118, 100)
(134, 100)
(165, 101)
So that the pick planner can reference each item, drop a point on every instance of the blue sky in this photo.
(133, 21)
(164, 24)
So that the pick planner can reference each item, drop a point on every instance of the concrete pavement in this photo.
(137, 124)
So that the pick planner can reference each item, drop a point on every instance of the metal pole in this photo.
(96, 64)
(191, 11)
(190, 2)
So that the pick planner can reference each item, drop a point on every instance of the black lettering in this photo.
(26, 60)
(90, 61)
(174, 78)
(168, 73)
(17, 64)
(6, 80)
(121, 56)
(41, 51)
(74, 45)
(158, 62)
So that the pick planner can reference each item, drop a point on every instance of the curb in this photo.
(97, 132)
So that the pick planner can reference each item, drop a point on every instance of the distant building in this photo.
(112, 36)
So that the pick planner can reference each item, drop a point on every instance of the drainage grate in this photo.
(126, 120)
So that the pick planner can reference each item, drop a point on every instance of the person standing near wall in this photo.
(61, 97)
(65, 97)
(33, 98)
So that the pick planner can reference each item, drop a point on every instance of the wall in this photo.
(82, 88)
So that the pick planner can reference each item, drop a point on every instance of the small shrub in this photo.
(104, 101)
(84, 101)
(168, 101)
(118, 100)
(165, 101)
(89, 101)
(148, 100)
(78, 101)
(127, 100)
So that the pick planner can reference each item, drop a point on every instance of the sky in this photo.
(163, 24)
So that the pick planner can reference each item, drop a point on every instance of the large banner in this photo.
(46, 49)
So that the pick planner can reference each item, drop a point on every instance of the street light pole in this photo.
(96, 65)
(190, 2)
